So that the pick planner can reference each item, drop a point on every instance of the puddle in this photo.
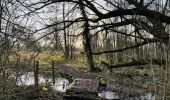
(109, 95)
(61, 84)
(147, 96)
(26, 79)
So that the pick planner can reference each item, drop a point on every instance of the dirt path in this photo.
(75, 73)
(114, 82)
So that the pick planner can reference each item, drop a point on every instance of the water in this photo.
(109, 95)
(61, 85)
(27, 79)
(147, 96)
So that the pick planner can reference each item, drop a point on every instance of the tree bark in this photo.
(53, 73)
(66, 49)
(86, 38)
(140, 62)
(36, 76)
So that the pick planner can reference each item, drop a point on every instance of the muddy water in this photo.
(109, 95)
(28, 79)
(61, 85)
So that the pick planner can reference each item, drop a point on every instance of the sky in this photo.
(46, 15)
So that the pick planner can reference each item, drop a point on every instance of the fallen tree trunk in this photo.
(139, 62)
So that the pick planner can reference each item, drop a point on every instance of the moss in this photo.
(102, 81)
(44, 65)
(45, 59)
(56, 58)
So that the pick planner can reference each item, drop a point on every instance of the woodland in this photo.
(105, 49)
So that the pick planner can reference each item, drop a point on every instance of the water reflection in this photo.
(61, 84)
(28, 79)
(147, 96)
(109, 95)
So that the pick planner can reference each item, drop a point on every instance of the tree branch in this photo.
(143, 12)
(140, 62)
(147, 41)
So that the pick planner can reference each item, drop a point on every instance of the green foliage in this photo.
(100, 58)
(44, 65)
(78, 61)
(50, 57)
(45, 59)
(55, 57)
(102, 81)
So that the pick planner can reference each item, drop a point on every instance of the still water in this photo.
(109, 95)
(28, 79)
(61, 85)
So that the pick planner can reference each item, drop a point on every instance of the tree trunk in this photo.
(53, 74)
(86, 38)
(36, 76)
(56, 42)
(66, 49)
(0, 15)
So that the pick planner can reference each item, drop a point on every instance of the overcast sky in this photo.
(48, 14)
